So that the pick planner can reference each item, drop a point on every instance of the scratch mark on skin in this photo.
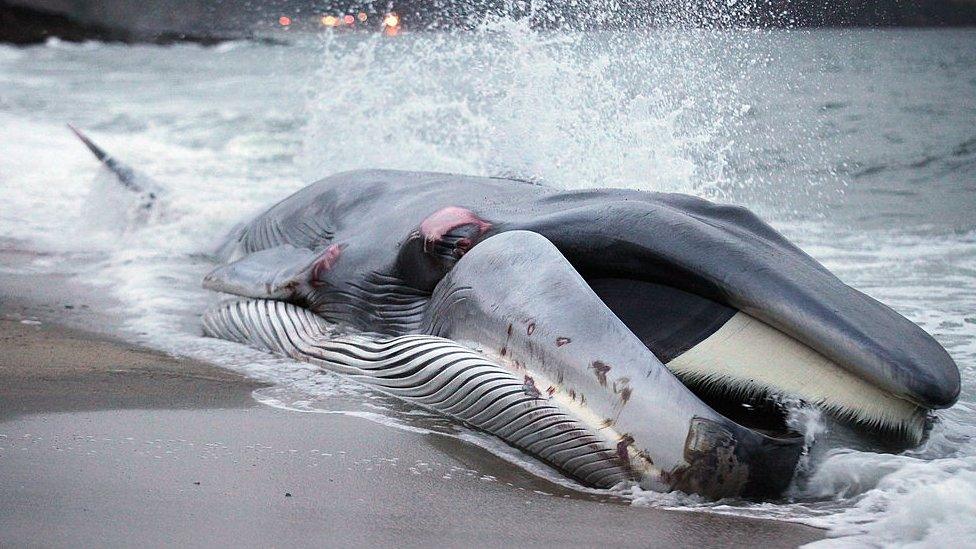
(509, 330)
(600, 369)
(551, 390)
(572, 394)
(608, 422)
(530, 389)
(622, 448)
(622, 387)
(530, 329)
(560, 341)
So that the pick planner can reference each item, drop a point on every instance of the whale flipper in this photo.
(284, 272)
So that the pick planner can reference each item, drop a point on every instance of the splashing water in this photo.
(641, 109)
(818, 130)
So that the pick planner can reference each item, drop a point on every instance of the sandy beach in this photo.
(121, 425)
(103, 443)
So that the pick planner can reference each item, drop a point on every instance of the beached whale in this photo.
(617, 335)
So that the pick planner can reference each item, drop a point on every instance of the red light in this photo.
(284, 20)
(349, 20)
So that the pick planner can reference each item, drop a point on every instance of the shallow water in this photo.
(859, 145)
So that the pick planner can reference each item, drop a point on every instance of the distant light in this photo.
(391, 20)
(284, 20)
(330, 21)
(348, 19)
(362, 16)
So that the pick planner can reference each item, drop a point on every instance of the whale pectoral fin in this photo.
(280, 273)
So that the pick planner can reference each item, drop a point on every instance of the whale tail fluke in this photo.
(128, 177)
(95, 149)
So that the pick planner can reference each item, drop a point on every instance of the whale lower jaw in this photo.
(748, 358)
(451, 379)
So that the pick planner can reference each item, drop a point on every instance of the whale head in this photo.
(594, 295)
(654, 334)
(747, 312)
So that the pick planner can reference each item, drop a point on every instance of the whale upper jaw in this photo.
(728, 256)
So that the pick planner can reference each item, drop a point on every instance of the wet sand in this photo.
(106, 444)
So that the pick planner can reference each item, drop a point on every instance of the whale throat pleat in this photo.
(432, 372)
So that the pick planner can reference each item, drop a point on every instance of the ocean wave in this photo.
(230, 130)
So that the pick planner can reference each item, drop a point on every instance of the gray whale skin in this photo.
(616, 335)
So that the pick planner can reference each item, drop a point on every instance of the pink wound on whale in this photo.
(447, 219)
(326, 261)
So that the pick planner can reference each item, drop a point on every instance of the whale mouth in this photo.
(821, 340)
(746, 369)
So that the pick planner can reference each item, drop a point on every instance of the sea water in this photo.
(860, 145)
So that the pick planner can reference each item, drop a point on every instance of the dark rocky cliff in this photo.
(167, 21)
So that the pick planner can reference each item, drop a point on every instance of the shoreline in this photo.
(103, 442)
(83, 372)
